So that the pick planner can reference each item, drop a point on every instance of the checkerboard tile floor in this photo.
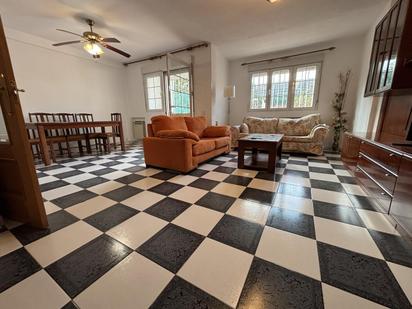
(125, 236)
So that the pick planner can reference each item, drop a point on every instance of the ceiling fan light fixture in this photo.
(93, 48)
(271, 1)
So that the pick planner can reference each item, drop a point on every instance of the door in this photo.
(20, 197)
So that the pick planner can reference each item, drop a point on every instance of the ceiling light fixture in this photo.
(93, 49)
(271, 1)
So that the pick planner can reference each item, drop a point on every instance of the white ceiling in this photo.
(239, 27)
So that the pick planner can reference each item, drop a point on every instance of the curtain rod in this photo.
(203, 44)
(290, 56)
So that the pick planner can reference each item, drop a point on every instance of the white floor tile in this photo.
(122, 166)
(218, 269)
(330, 197)
(59, 171)
(300, 204)
(146, 183)
(90, 207)
(229, 189)
(188, 194)
(215, 176)
(335, 298)
(208, 167)
(245, 173)
(183, 179)
(347, 236)
(105, 187)
(198, 219)
(265, 185)
(115, 175)
(143, 200)
(47, 179)
(133, 283)
(8, 243)
(148, 172)
(38, 291)
(323, 176)
(295, 180)
(322, 165)
(285, 249)
(249, 211)
(342, 173)
(354, 189)
(377, 221)
(403, 275)
(59, 192)
(50, 208)
(58, 244)
(93, 168)
(78, 178)
(297, 167)
(136, 230)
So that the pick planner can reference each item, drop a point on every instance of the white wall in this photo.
(220, 79)
(57, 81)
(202, 77)
(344, 57)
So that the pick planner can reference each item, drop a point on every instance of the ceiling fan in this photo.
(93, 42)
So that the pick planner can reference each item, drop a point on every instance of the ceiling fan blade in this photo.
(115, 50)
(67, 43)
(69, 32)
(110, 40)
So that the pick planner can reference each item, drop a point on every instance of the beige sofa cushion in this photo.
(261, 125)
(299, 126)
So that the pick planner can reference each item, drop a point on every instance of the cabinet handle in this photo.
(362, 142)
(391, 154)
(386, 175)
(383, 193)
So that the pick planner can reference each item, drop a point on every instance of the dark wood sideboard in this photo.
(385, 172)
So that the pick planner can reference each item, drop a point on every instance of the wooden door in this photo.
(20, 197)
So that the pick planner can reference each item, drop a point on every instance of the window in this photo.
(294, 87)
(154, 91)
(180, 94)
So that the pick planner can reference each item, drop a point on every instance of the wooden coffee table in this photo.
(271, 144)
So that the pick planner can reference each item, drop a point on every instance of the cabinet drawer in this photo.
(381, 197)
(380, 175)
(385, 157)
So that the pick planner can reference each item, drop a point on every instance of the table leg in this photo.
(121, 135)
(272, 160)
(241, 156)
(44, 148)
(254, 155)
(279, 150)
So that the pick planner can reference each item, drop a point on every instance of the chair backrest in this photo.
(85, 117)
(45, 117)
(67, 117)
(116, 117)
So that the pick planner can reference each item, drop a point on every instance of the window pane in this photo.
(280, 89)
(258, 90)
(305, 87)
(154, 92)
(180, 93)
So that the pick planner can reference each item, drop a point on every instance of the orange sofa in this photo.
(182, 143)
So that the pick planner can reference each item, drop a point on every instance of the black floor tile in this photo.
(238, 180)
(260, 196)
(294, 190)
(57, 220)
(110, 217)
(297, 162)
(269, 176)
(364, 202)
(215, 162)
(337, 212)
(291, 221)
(15, 267)
(68, 174)
(339, 167)
(318, 160)
(205, 184)
(166, 188)
(103, 171)
(134, 169)
(70, 305)
(164, 175)
(394, 248)
(50, 168)
(91, 182)
(128, 179)
(79, 269)
(122, 193)
(171, 247)
(181, 294)
(53, 185)
(73, 198)
(323, 170)
(83, 165)
(111, 163)
(216, 201)
(362, 275)
(198, 172)
(168, 208)
(270, 286)
(224, 169)
(238, 233)
(326, 185)
(41, 175)
(296, 173)
(348, 180)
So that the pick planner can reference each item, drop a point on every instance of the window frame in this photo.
(159, 74)
(175, 72)
(291, 88)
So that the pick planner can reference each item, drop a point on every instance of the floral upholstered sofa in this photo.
(305, 134)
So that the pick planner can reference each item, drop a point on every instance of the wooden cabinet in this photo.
(390, 65)
(401, 208)
(350, 148)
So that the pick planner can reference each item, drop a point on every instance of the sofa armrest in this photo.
(319, 133)
(169, 153)
(216, 131)
(244, 128)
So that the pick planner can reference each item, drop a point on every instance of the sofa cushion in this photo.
(177, 134)
(217, 131)
(298, 139)
(219, 141)
(163, 122)
(261, 125)
(196, 124)
(203, 146)
(299, 126)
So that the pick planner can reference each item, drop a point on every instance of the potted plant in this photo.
(339, 118)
